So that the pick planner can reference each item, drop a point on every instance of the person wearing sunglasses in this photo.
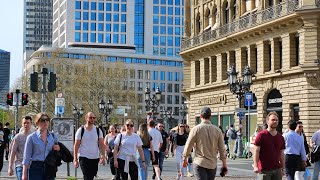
(125, 148)
(37, 147)
(88, 141)
(180, 139)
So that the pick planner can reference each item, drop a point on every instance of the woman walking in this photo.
(180, 139)
(109, 142)
(146, 147)
(125, 148)
(37, 148)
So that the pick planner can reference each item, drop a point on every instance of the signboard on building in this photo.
(221, 99)
(64, 128)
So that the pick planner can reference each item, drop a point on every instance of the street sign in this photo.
(248, 99)
(64, 128)
(59, 106)
(243, 110)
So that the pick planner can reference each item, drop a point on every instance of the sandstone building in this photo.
(278, 39)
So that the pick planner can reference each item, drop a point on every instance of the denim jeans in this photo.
(161, 159)
(19, 172)
(143, 174)
(37, 171)
(316, 170)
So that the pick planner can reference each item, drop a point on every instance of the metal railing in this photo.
(250, 20)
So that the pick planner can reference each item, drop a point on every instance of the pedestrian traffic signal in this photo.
(34, 82)
(10, 99)
(24, 99)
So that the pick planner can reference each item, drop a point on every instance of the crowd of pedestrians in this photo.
(130, 152)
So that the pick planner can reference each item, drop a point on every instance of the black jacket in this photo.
(53, 160)
(315, 153)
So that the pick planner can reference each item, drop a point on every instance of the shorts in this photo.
(156, 156)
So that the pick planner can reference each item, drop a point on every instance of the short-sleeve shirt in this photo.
(18, 147)
(156, 138)
(129, 144)
(316, 138)
(270, 150)
(89, 143)
(164, 141)
(181, 139)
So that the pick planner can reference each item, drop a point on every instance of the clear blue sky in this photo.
(11, 34)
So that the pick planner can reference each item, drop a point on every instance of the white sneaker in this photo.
(178, 176)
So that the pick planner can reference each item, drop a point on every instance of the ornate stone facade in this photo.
(279, 40)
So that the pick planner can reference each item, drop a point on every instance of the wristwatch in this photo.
(143, 161)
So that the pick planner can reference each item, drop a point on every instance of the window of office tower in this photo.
(139, 25)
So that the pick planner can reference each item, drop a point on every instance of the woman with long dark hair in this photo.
(146, 147)
(180, 139)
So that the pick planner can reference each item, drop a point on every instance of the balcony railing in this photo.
(250, 20)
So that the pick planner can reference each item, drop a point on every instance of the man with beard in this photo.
(88, 140)
(268, 159)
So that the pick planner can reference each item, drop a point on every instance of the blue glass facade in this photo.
(4, 74)
(109, 19)
(139, 25)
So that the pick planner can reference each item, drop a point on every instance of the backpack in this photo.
(233, 134)
(82, 132)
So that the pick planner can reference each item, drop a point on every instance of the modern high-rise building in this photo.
(145, 34)
(4, 75)
(37, 26)
(150, 27)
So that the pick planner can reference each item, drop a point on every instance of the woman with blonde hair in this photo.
(125, 148)
(146, 147)
(37, 148)
(109, 142)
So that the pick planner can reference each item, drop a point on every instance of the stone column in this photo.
(252, 59)
(221, 67)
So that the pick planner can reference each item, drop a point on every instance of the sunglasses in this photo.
(92, 117)
(181, 126)
(129, 125)
(44, 119)
(161, 126)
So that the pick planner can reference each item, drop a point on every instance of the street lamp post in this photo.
(166, 115)
(105, 110)
(77, 113)
(239, 87)
(183, 112)
(152, 102)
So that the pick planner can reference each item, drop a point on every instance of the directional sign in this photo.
(248, 99)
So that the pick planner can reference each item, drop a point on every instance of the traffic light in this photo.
(34, 82)
(24, 99)
(52, 82)
(10, 99)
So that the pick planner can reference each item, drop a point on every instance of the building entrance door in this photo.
(274, 103)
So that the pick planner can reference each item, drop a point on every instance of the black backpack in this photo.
(82, 132)
(233, 134)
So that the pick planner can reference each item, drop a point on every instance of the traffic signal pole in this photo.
(43, 90)
(17, 110)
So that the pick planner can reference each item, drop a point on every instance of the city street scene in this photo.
(160, 89)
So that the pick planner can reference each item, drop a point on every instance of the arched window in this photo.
(207, 18)
(226, 13)
(197, 24)
(234, 9)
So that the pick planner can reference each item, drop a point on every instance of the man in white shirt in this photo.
(157, 143)
(88, 140)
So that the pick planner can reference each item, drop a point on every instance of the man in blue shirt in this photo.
(295, 154)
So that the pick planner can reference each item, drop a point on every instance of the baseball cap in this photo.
(205, 112)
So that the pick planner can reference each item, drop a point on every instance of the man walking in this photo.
(205, 159)
(7, 132)
(315, 141)
(269, 145)
(157, 143)
(295, 154)
(164, 148)
(232, 135)
(17, 147)
(88, 140)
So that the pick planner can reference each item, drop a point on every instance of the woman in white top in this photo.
(125, 148)
(109, 142)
